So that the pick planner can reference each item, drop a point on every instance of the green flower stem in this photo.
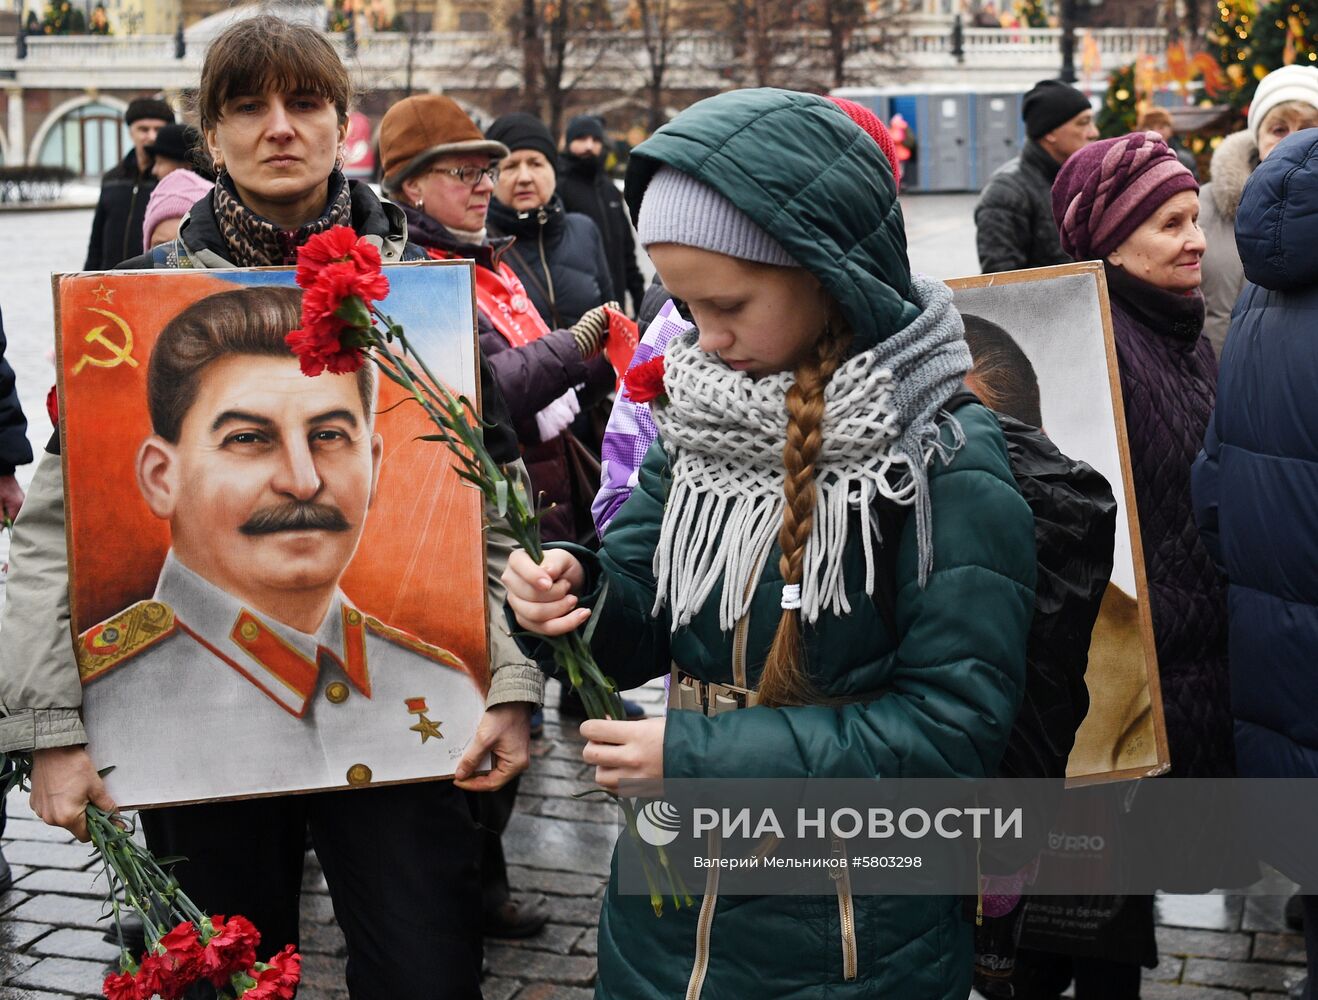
(457, 424)
(147, 888)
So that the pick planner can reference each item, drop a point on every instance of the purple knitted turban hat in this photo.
(1106, 190)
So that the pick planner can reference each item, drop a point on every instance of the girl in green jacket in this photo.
(810, 393)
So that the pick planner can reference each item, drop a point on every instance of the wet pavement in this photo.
(1213, 947)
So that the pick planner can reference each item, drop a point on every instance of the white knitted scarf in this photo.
(725, 432)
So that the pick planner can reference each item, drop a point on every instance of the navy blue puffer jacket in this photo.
(1255, 480)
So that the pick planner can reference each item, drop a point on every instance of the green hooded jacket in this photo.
(936, 700)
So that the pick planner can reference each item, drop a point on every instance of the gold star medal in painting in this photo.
(424, 726)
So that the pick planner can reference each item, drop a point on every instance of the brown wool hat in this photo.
(418, 129)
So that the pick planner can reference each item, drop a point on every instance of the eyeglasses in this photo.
(469, 175)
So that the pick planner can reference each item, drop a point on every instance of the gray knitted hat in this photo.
(677, 208)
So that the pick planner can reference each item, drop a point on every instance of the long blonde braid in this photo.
(785, 680)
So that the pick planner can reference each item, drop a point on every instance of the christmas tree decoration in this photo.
(1287, 34)
(1229, 38)
(1031, 14)
(61, 18)
(1120, 110)
(1249, 42)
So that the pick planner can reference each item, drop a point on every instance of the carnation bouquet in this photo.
(341, 280)
(184, 946)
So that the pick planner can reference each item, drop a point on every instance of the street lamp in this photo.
(1068, 42)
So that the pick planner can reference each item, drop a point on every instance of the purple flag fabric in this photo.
(631, 429)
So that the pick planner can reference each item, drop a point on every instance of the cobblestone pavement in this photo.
(51, 922)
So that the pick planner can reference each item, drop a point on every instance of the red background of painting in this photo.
(420, 565)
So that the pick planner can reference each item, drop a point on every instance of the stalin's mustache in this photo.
(296, 517)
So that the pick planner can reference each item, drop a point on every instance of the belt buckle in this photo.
(688, 693)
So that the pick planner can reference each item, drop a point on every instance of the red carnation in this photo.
(341, 279)
(337, 283)
(340, 243)
(289, 965)
(52, 405)
(182, 959)
(317, 352)
(152, 977)
(279, 979)
(645, 382)
(119, 986)
(231, 949)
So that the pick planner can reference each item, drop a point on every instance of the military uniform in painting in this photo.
(356, 703)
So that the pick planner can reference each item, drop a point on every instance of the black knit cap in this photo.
(176, 142)
(584, 125)
(1049, 104)
(522, 131)
(148, 107)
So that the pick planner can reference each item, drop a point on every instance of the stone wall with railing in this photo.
(616, 60)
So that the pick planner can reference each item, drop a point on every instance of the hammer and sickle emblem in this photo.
(119, 353)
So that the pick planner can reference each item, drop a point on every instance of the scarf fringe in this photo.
(725, 433)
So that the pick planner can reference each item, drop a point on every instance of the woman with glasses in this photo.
(441, 170)
(559, 255)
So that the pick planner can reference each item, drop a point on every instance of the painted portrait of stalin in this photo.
(248, 645)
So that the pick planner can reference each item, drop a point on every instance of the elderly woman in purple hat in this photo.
(1130, 203)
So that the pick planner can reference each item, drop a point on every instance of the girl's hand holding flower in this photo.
(543, 595)
(624, 752)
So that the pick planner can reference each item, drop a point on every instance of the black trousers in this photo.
(1042, 975)
(401, 863)
(1310, 904)
(492, 811)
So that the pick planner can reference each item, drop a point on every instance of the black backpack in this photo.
(1075, 518)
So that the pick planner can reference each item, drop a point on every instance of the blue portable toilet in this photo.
(998, 132)
(960, 135)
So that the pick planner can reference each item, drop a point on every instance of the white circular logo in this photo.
(658, 823)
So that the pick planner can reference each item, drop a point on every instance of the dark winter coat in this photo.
(530, 378)
(586, 187)
(559, 257)
(1014, 225)
(15, 449)
(949, 690)
(117, 224)
(656, 295)
(1255, 482)
(1168, 382)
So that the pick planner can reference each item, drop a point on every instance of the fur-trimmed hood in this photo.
(1233, 161)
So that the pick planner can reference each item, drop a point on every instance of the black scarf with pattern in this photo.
(255, 241)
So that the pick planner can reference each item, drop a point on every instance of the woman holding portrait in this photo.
(274, 101)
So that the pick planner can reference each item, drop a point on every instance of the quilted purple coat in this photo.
(1169, 383)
